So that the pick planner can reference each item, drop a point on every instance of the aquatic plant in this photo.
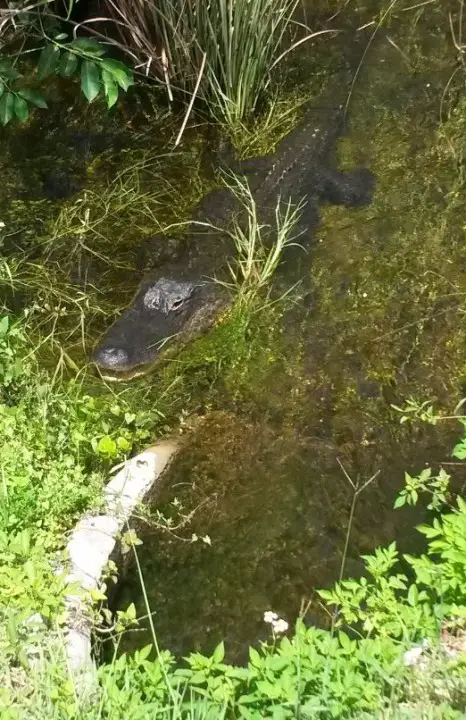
(259, 247)
(222, 50)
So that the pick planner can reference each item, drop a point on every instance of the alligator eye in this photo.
(177, 304)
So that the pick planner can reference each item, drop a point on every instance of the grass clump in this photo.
(258, 255)
(224, 50)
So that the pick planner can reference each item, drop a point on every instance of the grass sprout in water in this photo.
(259, 246)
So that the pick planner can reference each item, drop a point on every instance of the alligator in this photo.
(180, 299)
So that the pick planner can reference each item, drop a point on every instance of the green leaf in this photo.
(219, 653)
(254, 658)
(107, 446)
(90, 83)
(130, 612)
(270, 690)
(30, 571)
(21, 109)
(68, 64)
(461, 504)
(459, 451)
(110, 88)
(198, 678)
(345, 642)
(88, 46)
(425, 475)
(12, 630)
(400, 501)
(4, 325)
(144, 653)
(120, 73)
(34, 97)
(413, 497)
(48, 61)
(8, 71)
(123, 444)
(413, 595)
(7, 103)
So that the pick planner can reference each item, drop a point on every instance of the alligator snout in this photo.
(159, 312)
(112, 358)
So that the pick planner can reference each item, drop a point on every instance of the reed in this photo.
(232, 44)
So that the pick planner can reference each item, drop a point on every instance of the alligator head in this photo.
(163, 309)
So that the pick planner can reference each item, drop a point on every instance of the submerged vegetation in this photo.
(374, 328)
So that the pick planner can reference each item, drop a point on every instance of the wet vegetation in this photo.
(290, 408)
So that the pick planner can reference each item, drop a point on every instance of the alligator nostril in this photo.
(111, 358)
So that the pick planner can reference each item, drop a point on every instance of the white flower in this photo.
(270, 617)
(279, 626)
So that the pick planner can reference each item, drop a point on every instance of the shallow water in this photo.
(377, 319)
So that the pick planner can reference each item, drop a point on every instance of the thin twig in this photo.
(191, 102)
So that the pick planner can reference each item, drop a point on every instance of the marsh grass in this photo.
(127, 209)
(58, 313)
(277, 119)
(224, 50)
(259, 247)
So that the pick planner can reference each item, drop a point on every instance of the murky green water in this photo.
(378, 319)
(302, 394)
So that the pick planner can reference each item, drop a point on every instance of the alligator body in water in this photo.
(179, 299)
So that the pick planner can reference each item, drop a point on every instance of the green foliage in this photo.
(31, 592)
(323, 676)
(53, 436)
(86, 55)
(414, 410)
(427, 482)
(357, 667)
(57, 443)
(398, 605)
(83, 56)
(459, 451)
